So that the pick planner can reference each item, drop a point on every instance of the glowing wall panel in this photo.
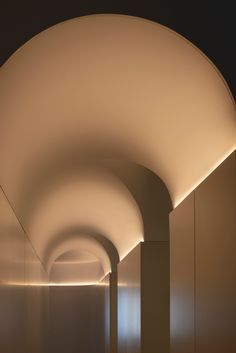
(203, 266)
(215, 237)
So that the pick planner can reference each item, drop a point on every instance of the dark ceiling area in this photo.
(210, 25)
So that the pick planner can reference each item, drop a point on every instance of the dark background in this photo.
(210, 25)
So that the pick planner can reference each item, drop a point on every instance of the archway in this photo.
(120, 92)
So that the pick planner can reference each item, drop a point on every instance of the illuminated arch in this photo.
(112, 87)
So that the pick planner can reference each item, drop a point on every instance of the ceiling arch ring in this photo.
(147, 188)
(74, 237)
(94, 198)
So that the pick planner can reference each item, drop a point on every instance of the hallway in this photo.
(118, 193)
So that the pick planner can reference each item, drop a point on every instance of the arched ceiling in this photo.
(78, 260)
(76, 267)
(89, 200)
(106, 87)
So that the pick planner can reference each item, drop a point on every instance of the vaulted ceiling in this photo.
(107, 121)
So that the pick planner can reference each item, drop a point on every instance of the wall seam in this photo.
(22, 227)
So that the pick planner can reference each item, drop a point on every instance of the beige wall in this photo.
(23, 289)
(155, 297)
(182, 277)
(77, 319)
(129, 302)
(110, 296)
(203, 266)
(143, 299)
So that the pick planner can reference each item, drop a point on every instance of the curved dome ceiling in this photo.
(74, 266)
(90, 264)
(92, 200)
(107, 87)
